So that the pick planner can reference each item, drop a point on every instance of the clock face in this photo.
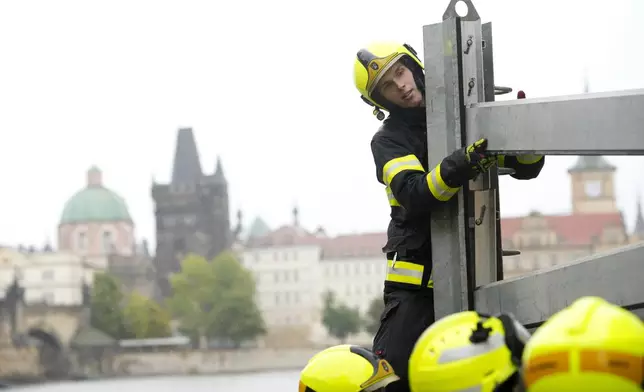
(593, 188)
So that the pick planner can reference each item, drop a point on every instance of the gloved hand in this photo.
(468, 162)
(478, 157)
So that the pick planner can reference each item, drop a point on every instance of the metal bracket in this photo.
(450, 12)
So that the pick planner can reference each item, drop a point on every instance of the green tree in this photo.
(194, 295)
(216, 299)
(237, 317)
(339, 319)
(144, 318)
(105, 305)
(372, 318)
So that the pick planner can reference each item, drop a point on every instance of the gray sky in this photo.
(268, 86)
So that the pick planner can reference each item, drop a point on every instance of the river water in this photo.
(253, 382)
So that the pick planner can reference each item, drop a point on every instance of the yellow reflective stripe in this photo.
(392, 200)
(396, 165)
(439, 189)
(406, 272)
(529, 159)
(500, 160)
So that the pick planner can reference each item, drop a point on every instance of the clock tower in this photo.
(593, 189)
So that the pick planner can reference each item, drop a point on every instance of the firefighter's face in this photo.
(398, 86)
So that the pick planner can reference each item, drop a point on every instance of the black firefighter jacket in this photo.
(400, 153)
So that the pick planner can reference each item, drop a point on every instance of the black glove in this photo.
(468, 162)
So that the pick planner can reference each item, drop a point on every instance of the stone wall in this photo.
(22, 362)
(210, 361)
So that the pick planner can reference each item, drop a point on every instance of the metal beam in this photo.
(615, 276)
(587, 124)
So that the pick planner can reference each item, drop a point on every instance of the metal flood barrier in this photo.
(468, 257)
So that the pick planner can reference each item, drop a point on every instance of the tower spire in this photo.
(639, 219)
(187, 165)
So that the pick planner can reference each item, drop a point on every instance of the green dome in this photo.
(95, 203)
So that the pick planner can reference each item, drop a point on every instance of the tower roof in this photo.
(187, 165)
(258, 228)
(591, 163)
(95, 203)
(639, 219)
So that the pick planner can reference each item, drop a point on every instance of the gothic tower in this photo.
(191, 211)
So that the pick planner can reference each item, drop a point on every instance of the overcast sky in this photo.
(267, 85)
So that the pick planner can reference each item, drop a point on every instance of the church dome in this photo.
(95, 203)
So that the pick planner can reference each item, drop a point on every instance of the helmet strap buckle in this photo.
(378, 113)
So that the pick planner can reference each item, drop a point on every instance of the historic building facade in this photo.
(595, 223)
(294, 267)
(191, 211)
(96, 225)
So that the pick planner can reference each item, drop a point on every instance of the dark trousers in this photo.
(406, 316)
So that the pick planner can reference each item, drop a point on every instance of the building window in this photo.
(296, 275)
(48, 298)
(108, 241)
(48, 275)
(82, 241)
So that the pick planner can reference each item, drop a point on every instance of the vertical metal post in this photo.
(448, 89)
(486, 213)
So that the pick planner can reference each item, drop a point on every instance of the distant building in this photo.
(293, 270)
(294, 267)
(96, 225)
(191, 212)
(53, 285)
(595, 224)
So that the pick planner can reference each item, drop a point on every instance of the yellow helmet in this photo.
(468, 351)
(592, 345)
(346, 368)
(372, 62)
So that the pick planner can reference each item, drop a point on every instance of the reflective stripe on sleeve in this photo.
(397, 165)
(439, 189)
(392, 200)
(406, 272)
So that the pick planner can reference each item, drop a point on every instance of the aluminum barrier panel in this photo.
(467, 254)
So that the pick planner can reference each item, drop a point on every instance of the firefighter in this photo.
(468, 351)
(346, 368)
(390, 77)
(592, 345)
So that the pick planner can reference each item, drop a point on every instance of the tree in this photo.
(340, 320)
(194, 296)
(372, 318)
(216, 299)
(105, 304)
(237, 317)
(144, 318)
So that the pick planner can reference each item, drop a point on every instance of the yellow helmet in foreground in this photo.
(346, 368)
(372, 62)
(592, 345)
(467, 351)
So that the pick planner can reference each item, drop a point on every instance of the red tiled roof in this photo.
(284, 236)
(571, 229)
(356, 245)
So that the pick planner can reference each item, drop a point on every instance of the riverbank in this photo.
(210, 362)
